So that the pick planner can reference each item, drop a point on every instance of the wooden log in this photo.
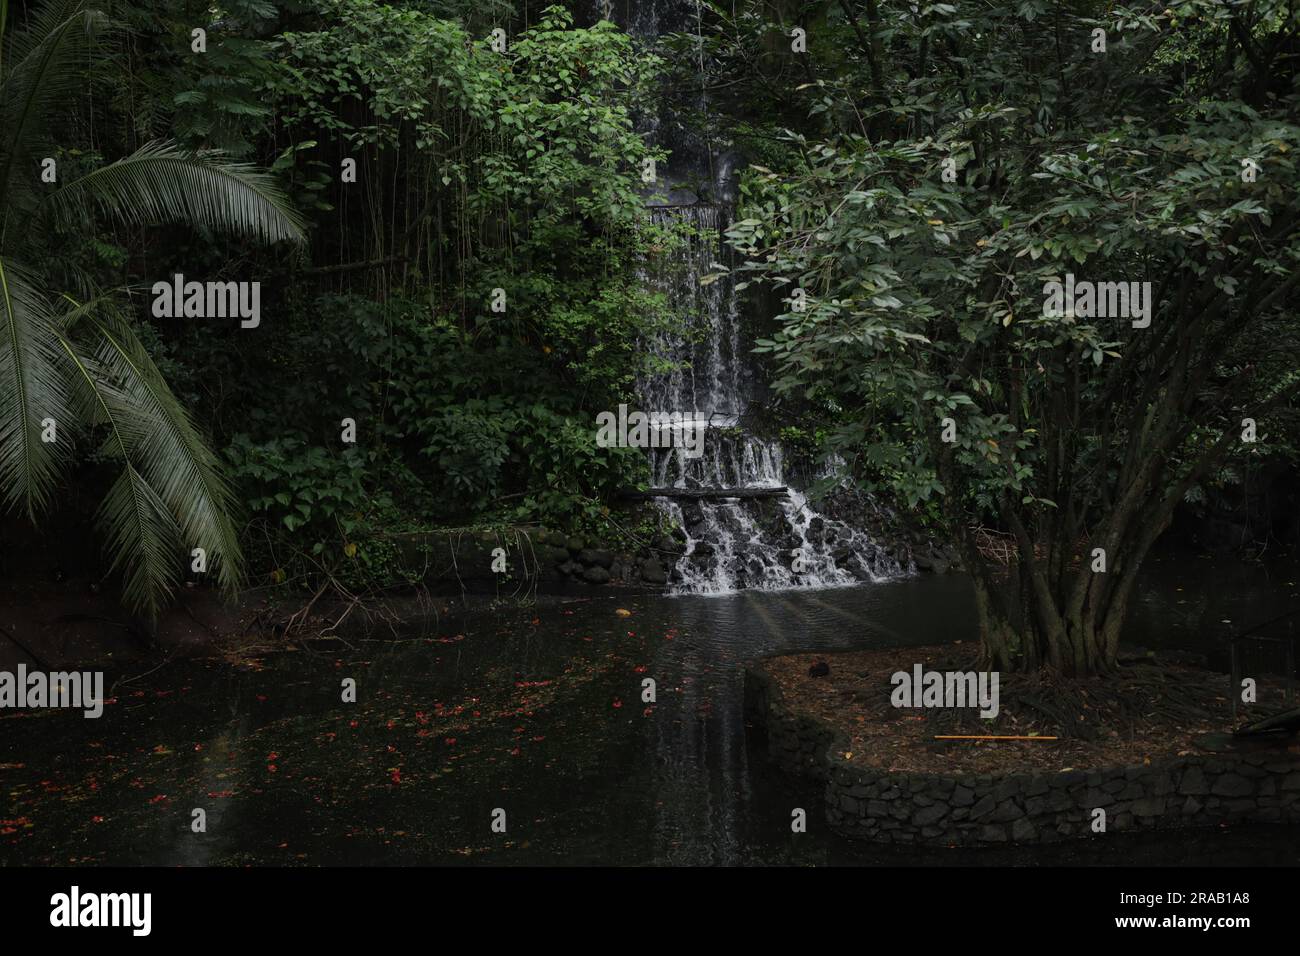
(705, 493)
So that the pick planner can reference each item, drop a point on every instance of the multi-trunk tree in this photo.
(923, 235)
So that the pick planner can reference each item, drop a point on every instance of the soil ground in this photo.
(1148, 710)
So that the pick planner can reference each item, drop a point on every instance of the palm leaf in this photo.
(140, 532)
(46, 72)
(159, 441)
(142, 536)
(160, 183)
(33, 387)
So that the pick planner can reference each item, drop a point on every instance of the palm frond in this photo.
(43, 76)
(33, 387)
(39, 24)
(150, 430)
(142, 536)
(140, 532)
(161, 183)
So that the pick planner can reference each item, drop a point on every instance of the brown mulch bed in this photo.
(1148, 710)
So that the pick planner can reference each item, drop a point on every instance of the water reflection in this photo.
(539, 713)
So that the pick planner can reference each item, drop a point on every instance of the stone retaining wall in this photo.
(1035, 807)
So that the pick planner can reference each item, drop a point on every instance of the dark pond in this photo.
(537, 712)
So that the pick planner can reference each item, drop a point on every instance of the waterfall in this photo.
(732, 543)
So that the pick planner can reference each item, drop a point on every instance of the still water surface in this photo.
(536, 712)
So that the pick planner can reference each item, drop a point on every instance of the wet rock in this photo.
(1232, 785)
(1006, 789)
(1193, 782)
(653, 572)
(596, 575)
(983, 807)
(929, 815)
(1007, 811)
(598, 557)
(1148, 807)
(1022, 831)
(553, 554)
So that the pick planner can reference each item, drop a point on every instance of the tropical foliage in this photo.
(967, 160)
(74, 376)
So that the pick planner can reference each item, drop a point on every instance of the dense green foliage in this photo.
(925, 295)
(438, 176)
(471, 289)
(75, 377)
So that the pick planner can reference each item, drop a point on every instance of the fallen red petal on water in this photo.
(261, 698)
(617, 703)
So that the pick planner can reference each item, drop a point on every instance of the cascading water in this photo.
(733, 543)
